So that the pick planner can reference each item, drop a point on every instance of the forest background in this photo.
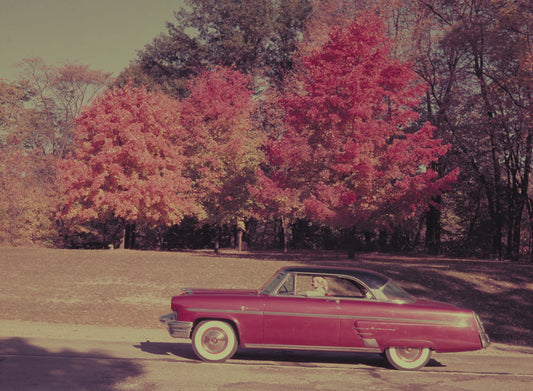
(363, 125)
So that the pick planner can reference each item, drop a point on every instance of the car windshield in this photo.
(274, 282)
(395, 292)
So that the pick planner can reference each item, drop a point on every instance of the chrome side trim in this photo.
(370, 342)
(241, 311)
(451, 323)
(316, 348)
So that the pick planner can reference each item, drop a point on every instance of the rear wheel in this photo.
(214, 341)
(408, 358)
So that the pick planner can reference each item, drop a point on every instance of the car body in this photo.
(359, 311)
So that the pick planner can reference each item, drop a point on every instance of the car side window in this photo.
(344, 287)
(302, 285)
(308, 285)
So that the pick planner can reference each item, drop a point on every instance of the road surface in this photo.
(37, 356)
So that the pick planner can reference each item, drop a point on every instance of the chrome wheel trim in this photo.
(407, 358)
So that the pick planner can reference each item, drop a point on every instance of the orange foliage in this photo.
(28, 202)
(128, 161)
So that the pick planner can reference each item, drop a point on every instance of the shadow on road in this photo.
(24, 366)
(264, 357)
(183, 350)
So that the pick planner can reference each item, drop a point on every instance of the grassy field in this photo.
(133, 288)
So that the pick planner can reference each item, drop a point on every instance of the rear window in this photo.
(395, 292)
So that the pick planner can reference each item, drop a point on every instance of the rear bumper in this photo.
(176, 329)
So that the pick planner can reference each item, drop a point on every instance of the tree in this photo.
(257, 37)
(128, 162)
(473, 56)
(36, 120)
(11, 108)
(57, 95)
(353, 152)
(29, 198)
(224, 146)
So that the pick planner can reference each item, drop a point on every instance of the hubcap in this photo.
(409, 354)
(214, 341)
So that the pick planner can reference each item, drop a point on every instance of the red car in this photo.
(322, 308)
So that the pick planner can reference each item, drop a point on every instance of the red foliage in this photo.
(128, 161)
(224, 148)
(350, 150)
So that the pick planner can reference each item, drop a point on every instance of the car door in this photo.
(361, 316)
(293, 320)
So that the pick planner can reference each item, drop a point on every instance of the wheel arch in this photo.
(229, 321)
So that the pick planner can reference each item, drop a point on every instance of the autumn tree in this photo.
(354, 151)
(128, 162)
(29, 198)
(224, 148)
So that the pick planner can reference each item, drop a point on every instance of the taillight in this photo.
(485, 340)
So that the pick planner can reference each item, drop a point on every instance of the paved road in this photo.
(62, 357)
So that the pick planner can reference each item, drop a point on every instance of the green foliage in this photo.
(258, 37)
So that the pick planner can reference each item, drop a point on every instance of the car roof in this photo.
(370, 278)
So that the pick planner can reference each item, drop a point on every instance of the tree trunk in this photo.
(284, 240)
(239, 239)
(433, 228)
(240, 229)
(122, 235)
(349, 237)
(217, 238)
(129, 236)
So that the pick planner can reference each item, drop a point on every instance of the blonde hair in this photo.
(321, 281)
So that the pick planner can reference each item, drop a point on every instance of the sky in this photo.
(104, 34)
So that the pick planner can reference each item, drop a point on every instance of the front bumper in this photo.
(176, 329)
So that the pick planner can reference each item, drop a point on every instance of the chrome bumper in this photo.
(176, 329)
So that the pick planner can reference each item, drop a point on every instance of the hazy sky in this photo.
(104, 34)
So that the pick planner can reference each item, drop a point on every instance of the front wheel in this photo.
(408, 358)
(214, 341)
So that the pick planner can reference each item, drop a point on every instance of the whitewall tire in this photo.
(408, 358)
(214, 341)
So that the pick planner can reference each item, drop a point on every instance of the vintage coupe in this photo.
(353, 310)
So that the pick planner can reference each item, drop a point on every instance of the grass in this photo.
(133, 288)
